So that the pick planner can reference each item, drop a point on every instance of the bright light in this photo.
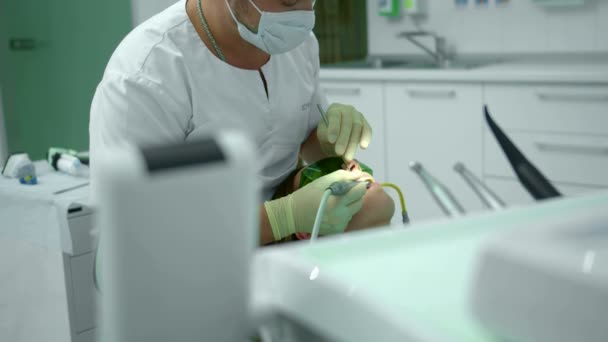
(315, 273)
(588, 261)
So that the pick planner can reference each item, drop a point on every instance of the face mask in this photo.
(278, 32)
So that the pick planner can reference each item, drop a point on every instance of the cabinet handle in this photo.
(343, 91)
(565, 97)
(572, 148)
(22, 44)
(435, 94)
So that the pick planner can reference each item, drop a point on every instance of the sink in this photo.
(399, 64)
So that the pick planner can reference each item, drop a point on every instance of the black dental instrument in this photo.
(529, 176)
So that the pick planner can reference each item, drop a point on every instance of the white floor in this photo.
(33, 306)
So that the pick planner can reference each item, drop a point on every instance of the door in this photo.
(56, 55)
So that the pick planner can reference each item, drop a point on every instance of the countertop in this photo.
(513, 72)
(396, 284)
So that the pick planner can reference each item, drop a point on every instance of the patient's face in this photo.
(378, 207)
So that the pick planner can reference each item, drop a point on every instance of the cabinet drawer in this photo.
(561, 158)
(80, 230)
(514, 194)
(437, 125)
(83, 290)
(549, 108)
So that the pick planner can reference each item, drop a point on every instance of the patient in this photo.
(377, 209)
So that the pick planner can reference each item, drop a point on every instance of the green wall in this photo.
(48, 90)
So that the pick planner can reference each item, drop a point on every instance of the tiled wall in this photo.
(517, 27)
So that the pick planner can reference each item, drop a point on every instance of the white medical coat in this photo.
(163, 85)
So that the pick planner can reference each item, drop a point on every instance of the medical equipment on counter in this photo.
(485, 194)
(546, 281)
(68, 161)
(529, 176)
(13, 163)
(27, 174)
(178, 228)
(21, 167)
(442, 195)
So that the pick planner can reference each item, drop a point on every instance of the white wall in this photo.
(517, 27)
(144, 9)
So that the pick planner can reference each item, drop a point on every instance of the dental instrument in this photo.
(442, 195)
(336, 189)
(405, 217)
(323, 116)
(485, 194)
(529, 176)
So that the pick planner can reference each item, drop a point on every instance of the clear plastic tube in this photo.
(318, 219)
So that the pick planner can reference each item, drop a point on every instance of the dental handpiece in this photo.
(485, 194)
(342, 188)
(336, 189)
(442, 195)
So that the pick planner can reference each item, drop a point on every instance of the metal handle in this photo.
(485, 194)
(569, 97)
(441, 194)
(343, 91)
(436, 94)
(572, 148)
(22, 44)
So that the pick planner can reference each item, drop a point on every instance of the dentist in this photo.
(251, 65)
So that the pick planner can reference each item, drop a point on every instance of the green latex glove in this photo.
(297, 212)
(347, 130)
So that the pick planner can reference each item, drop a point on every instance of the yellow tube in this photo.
(401, 199)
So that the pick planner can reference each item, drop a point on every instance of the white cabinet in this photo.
(78, 274)
(562, 130)
(367, 97)
(513, 193)
(437, 125)
(576, 159)
(549, 108)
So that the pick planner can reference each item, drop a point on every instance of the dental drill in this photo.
(485, 194)
(336, 189)
(342, 188)
(442, 195)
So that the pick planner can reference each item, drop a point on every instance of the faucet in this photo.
(440, 55)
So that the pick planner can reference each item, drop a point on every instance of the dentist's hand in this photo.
(297, 212)
(347, 130)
